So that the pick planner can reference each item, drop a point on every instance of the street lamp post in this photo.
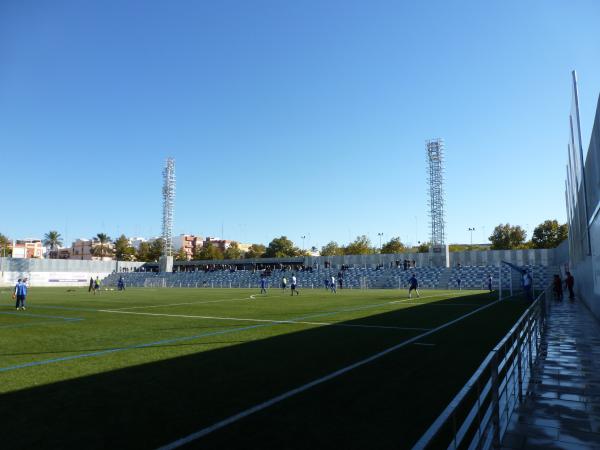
(416, 229)
(303, 237)
(471, 231)
(380, 235)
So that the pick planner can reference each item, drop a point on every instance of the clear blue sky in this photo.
(288, 117)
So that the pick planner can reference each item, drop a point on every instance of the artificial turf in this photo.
(144, 367)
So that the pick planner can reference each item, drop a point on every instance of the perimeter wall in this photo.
(583, 212)
(58, 272)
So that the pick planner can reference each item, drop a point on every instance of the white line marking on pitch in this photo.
(426, 296)
(253, 297)
(266, 404)
(181, 304)
(301, 322)
(442, 304)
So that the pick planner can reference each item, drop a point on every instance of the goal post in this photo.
(155, 282)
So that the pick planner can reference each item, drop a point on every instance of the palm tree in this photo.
(103, 239)
(53, 240)
(4, 244)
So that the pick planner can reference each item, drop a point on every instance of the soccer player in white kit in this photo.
(294, 285)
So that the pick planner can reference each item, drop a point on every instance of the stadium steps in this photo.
(472, 277)
(445, 278)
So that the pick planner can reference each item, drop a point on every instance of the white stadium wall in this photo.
(542, 257)
(58, 272)
(51, 278)
(536, 257)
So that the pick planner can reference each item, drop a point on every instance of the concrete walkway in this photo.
(562, 409)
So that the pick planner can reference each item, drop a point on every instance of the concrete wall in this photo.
(538, 257)
(585, 266)
(587, 272)
(561, 253)
(422, 260)
(543, 257)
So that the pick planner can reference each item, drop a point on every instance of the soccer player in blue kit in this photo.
(20, 294)
(413, 286)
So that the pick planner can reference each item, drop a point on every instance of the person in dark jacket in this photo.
(570, 282)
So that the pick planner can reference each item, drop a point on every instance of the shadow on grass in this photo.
(385, 404)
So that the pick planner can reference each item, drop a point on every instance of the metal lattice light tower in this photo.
(168, 204)
(435, 178)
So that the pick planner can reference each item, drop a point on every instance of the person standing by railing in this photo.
(527, 281)
(570, 282)
(557, 288)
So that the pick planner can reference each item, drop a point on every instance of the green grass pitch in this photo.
(145, 367)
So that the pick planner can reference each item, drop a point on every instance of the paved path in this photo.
(562, 409)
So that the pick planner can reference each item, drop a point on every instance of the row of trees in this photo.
(284, 247)
(548, 234)
(211, 251)
(278, 248)
(120, 248)
(362, 246)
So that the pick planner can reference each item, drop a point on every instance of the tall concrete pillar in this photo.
(165, 264)
(440, 255)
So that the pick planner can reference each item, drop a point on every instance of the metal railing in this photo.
(478, 416)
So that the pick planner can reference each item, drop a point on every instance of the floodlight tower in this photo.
(168, 193)
(435, 178)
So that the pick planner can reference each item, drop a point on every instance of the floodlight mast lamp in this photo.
(168, 205)
(435, 179)
(470, 230)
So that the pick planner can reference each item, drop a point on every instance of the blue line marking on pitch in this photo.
(35, 324)
(171, 341)
(66, 308)
(43, 316)
(120, 349)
